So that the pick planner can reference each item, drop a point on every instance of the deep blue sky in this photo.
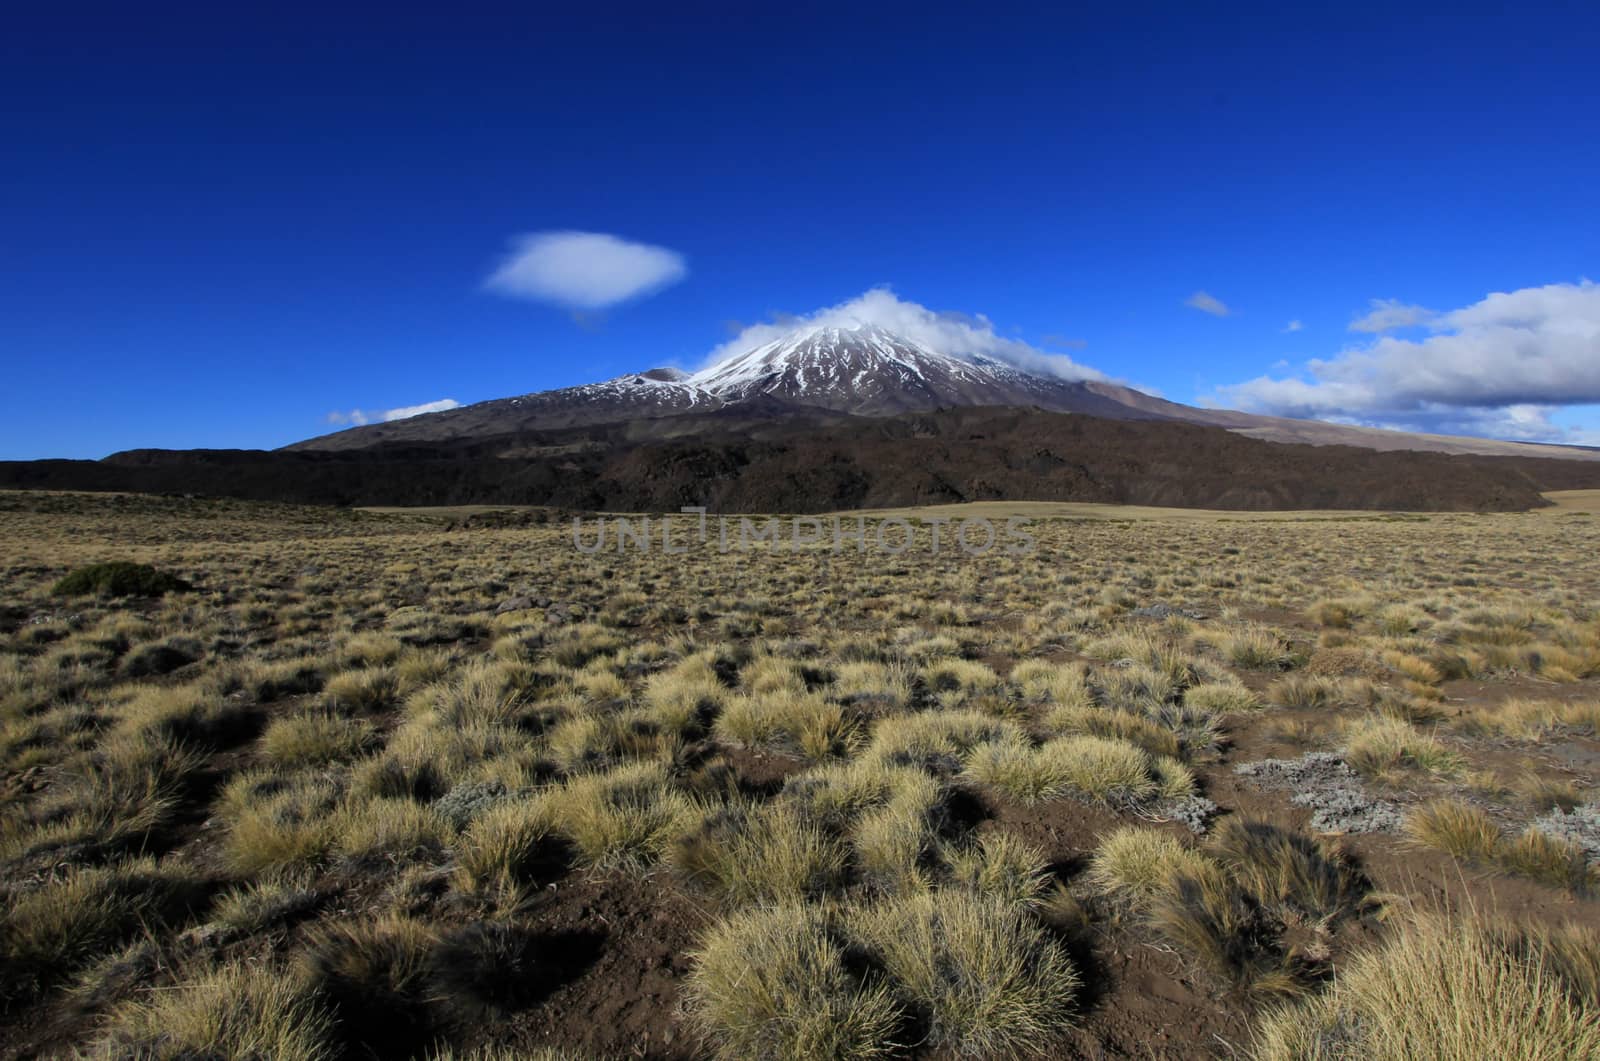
(217, 226)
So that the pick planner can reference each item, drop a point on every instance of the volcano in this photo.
(860, 369)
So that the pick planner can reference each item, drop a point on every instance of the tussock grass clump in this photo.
(1465, 832)
(1379, 745)
(156, 658)
(389, 830)
(193, 714)
(795, 723)
(872, 687)
(260, 905)
(630, 816)
(509, 850)
(773, 674)
(1166, 661)
(1305, 691)
(1523, 719)
(277, 822)
(1098, 768)
(1001, 867)
(1105, 770)
(365, 689)
(1339, 614)
(314, 738)
(371, 650)
(1121, 725)
(1287, 871)
(605, 738)
(1550, 859)
(268, 682)
(1061, 685)
(1220, 698)
(1017, 771)
(686, 698)
(374, 973)
(48, 930)
(939, 740)
(894, 843)
(1135, 863)
(1139, 688)
(980, 977)
(118, 578)
(240, 1010)
(837, 793)
(1544, 793)
(1210, 919)
(1456, 828)
(774, 983)
(574, 646)
(955, 681)
(1255, 648)
(127, 789)
(1225, 905)
(1439, 989)
(767, 855)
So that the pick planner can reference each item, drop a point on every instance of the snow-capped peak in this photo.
(826, 358)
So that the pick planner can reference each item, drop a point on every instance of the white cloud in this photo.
(956, 334)
(407, 411)
(1498, 367)
(1207, 304)
(584, 270)
(1293, 326)
(361, 417)
(1390, 314)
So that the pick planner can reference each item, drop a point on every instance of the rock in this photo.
(1580, 827)
(209, 933)
(1165, 611)
(1324, 782)
(514, 604)
(1193, 811)
(465, 802)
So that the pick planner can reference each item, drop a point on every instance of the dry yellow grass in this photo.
(1440, 989)
(808, 766)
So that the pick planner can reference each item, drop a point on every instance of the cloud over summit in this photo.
(957, 334)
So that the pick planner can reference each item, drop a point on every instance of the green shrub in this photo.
(119, 579)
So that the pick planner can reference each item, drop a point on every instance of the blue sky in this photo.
(218, 227)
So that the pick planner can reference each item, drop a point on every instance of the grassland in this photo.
(1168, 786)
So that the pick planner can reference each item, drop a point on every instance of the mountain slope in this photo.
(823, 462)
(860, 370)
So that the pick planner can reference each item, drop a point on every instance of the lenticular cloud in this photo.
(584, 270)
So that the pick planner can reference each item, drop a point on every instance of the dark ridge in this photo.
(825, 462)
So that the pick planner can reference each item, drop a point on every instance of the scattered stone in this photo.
(466, 801)
(1581, 826)
(1324, 782)
(212, 932)
(1195, 812)
(1165, 611)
